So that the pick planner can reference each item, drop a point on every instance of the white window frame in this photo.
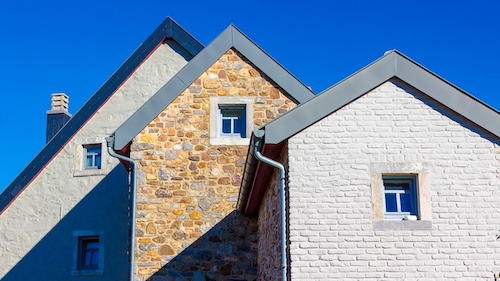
(78, 235)
(216, 136)
(400, 215)
(419, 171)
(80, 156)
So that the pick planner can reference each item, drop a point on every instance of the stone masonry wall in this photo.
(269, 226)
(188, 187)
(332, 235)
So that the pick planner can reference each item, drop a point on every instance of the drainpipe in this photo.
(259, 134)
(111, 142)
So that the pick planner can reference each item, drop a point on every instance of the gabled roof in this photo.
(168, 30)
(230, 38)
(392, 65)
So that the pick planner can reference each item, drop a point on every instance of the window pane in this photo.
(237, 125)
(390, 202)
(406, 202)
(226, 126)
(98, 161)
(95, 257)
(90, 161)
(87, 257)
(92, 245)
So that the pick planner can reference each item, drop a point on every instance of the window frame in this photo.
(399, 179)
(80, 168)
(86, 148)
(419, 170)
(232, 134)
(83, 241)
(79, 237)
(216, 124)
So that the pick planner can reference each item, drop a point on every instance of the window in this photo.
(400, 198)
(89, 253)
(231, 120)
(92, 156)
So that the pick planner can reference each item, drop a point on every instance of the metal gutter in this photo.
(259, 137)
(110, 141)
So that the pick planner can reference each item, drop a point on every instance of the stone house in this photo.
(391, 174)
(185, 113)
(56, 201)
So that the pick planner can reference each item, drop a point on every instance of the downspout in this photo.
(111, 142)
(259, 134)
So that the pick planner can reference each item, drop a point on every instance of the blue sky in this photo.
(75, 46)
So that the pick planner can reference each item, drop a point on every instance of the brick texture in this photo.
(331, 232)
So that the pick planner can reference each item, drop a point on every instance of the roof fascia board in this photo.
(166, 29)
(229, 38)
(172, 89)
(330, 100)
(447, 94)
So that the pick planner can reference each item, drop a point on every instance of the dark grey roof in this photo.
(392, 65)
(230, 38)
(168, 30)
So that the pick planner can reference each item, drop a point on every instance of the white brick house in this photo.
(349, 149)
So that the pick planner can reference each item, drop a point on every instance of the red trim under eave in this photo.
(263, 174)
(69, 139)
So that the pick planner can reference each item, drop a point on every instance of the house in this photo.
(184, 115)
(168, 173)
(56, 201)
(391, 174)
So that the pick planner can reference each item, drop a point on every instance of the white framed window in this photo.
(400, 199)
(401, 196)
(88, 253)
(231, 120)
(90, 157)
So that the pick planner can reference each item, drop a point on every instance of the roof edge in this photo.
(167, 29)
(231, 37)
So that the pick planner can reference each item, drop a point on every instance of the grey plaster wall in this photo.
(56, 192)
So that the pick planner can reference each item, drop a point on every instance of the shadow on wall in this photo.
(227, 252)
(104, 208)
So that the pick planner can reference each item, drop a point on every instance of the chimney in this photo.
(58, 115)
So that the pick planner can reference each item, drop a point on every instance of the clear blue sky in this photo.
(75, 46)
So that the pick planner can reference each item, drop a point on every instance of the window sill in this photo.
(402, 225)
(87, 272)
(84, 173)
(229, 141)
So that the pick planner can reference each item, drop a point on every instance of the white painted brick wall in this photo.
(331, 231)
(55, 191)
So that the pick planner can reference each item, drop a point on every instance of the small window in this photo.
(232, 121)
(89, 253)
(93, 155)
(400, 198)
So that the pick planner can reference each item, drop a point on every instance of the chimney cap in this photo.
(60, 101)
